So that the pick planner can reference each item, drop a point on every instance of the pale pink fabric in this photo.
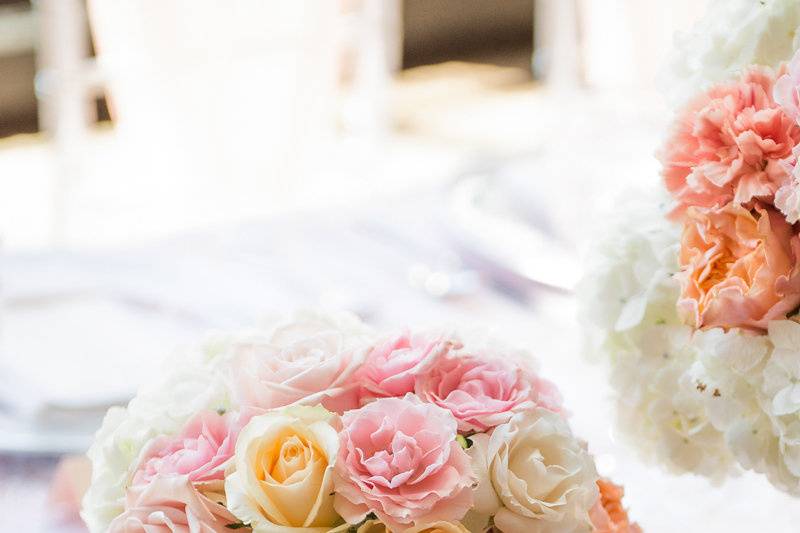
(170, 504)
(483, 392)
(201, 451)
(739, 268)
(392, 367)
(398, 458)
(730, 144)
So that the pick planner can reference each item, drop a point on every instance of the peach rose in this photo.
(170, 504)
(282, 471)
(608, 515)
(739, 268)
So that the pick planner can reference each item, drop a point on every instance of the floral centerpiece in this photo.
(317, 424)
(696, 291)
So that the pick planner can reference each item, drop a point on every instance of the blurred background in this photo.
(173, 167)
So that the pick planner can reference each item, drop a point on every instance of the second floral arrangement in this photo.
(697, 292)
(318, 424)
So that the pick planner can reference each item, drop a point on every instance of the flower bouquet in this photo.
(318, 424)
(696, 292)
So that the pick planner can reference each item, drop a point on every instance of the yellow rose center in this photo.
(290, 470)
(294, 456)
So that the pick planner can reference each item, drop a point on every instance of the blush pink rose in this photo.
(394, 364)
(171, 504)
(730, 144)
(608, 515)
(484, 391)
(739, 268)
(398, 458)
(309, 360)
(201, 452)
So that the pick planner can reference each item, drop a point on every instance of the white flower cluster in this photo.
(733, 34)
(698, 401)
(188, 384)
(287, 403)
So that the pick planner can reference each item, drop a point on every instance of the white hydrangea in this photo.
(780, 398)
(187, 385)
(696, 401)
(630, 294)
(732, 35)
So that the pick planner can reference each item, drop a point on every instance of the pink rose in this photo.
(398, 458)
(201, 451)
(170, 504)
(739, 268)
(309, 360)
(483, 391)
(731, 145)
(393, 365)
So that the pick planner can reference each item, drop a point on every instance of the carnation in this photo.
(730, 144)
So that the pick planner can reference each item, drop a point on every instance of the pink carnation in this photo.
(483, 392)
(394, 364)
(399, 459)
(171, 505)
(201, 451)
(730, 144)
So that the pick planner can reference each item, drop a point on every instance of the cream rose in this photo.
(534, 475)
(282, 472)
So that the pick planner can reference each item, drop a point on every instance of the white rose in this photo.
(189, 385)
(309, 359)
(282, 475)
(534, 476)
